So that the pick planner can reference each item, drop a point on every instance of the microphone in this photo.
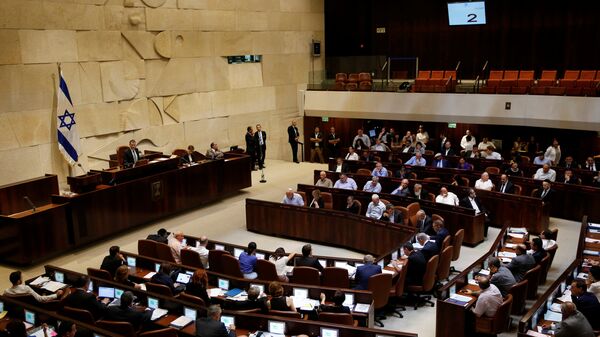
(384, 66)
(30, 203)
(81, 167)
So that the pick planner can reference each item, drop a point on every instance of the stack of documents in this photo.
(158, 313)
(517, 230)
(553, 316)
(215, 292)
(507, 254)
(362, 307)
(45, 283)
(305, 303)
(181, 322)
(149, 275)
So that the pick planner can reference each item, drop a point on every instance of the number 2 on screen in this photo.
(472, 17)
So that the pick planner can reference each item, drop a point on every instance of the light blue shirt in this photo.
(370, 188)
(414, 162)
(296, 200)
(382, 173)
(538, 161)
(375, 211)
(350, 184)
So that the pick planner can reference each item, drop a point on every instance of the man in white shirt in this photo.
(379, 146)
(553, 153)
(379, 170)
(422, 135)
(483, 146)
(417, 160)
(373, 185)
(541, 159)
(489, 300)
(365, 139)
(403, 189)
(545, 172)
(351, 155)
(491, 154)
(447, 197)
(345, 183)
(323, 180)
(468, 142)
(202, 251)
(292, 198)
(376, 208)
(176, 244)
(484, 183)
(20, 289)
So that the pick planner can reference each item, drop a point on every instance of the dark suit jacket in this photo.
(111, 263)
(345, 168)
(320, 136)
(246, 304)
(128, 157)
(589, 306)
(136, 318)
(309, 262)
(250, 143)
(439, 237)
(186, 159)
(157, 238)
(424, 195)
(449, 152)
(548, 197)
(363, 273)
(575, 325)
(257, 141)
(520, 265)
(427, 227)
(416, 268)
(332, 146)
(291, 134)
(208, 327)
(80, 299)
(445, 163)
(342, 309)
(510, 187)
(164, 279)
(196, 289)
(539, 255)
(430, 249)
(466, 203)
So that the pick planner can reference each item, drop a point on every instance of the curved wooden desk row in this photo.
(512, 209)
(329, 227)
(64, 222)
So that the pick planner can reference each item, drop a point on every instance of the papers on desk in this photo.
(505, 259)
(582, 276)
(149, 275)
(385, 271)
(362, 308)
(484, 272)
(566, 296)
(535, 334)
(510, 245)
(215, 292)
(593, 225)
(507, 254)
(593, 230)
(459, 299)
(351, 269)
(305, 303)
(268, 334)
(591, 252)
(474, 282)
(555, 307)
(516, 236)
(39, 281)
(39, 332)
(553, 316)
(143, 286)
(590, 240)
(517, 230)
(53, 286)
(181, 322)
(158, 313)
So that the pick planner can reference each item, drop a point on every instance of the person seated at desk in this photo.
(163, 276)
(569, 178)
(14, 328)
(448, 151)
(131, 155)
(416, 265)
(351, 155)
(489, 299)
(392, 215)
(463, 165)
(291, 198)
(419, 148)
(307, 260)
(440, 233)
(81, 299)
(484, 144)
(248, 261)
(546, 193)
(367, 156)
(569, 163)
(253, 302)
(338, 303)
(66, 329)
(203, 251)
(591, 165)
(501, 276)
(520, 264)
(361, 141)
(20, 289)
(417, 160)
(540, 159)
(340, 166)
(419, 193)
(484, 183)
(364, 272)
(176, 244)
(586, 303)
(122, 276)
(440, 162)
(214, 153)
(547, 243)
(573, 323)
(514, 170)
(276, 299)
(446, 197)
(317, 201)
(473, 202)
(211, 325)
(372, 185)
(345, 183)
(505, 185)
(424, 223)
(351, 205)
(125, 312)
(403, 189)
(376, 208)
(379, 146)
(545, 173)
(379, 170)
(323, 181)
(429, 247)
(280, 259)
(160, 236)
(490, 154)
(191, 156)
(198, 285)
(593, 281)
(537, 248)
(113, 260)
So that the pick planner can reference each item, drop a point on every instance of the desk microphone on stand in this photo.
(30, 203)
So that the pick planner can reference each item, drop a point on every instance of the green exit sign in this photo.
(451, 125)
(324, 119)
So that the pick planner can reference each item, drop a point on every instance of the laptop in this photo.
(131, 261)
(157, 312)
(237, 252)
(223, 284)
(183, 278)
(300, 293)
(106, 292)
(190, 313)
(328, 332)
(277, 327)
(59, 277)
(228, 321)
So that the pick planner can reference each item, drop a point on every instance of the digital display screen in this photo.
(327, 332)
(183, 278)
(277, 327)
(219, 247)
(189, 313)
(152, 303)
(156, 267)
(59, 277)
(106, 292)
(131, 261)
(227, 320)
(349, 301)
(223, 284)
(300, 293)
(237, 252)
(30, 317)
(466, 13)
(118, 293)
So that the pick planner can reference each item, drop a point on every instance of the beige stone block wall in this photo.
(151, 70)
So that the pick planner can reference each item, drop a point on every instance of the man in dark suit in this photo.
(538, 250)
(419, 192)
(293, 137)
(505, 185)
(586, 303)
(521, 264)
(546, 193)
(253, 302)
(424, 223)
(416, 265)
(440, 233)
(113, 260)
(251, 147)
(333, 144)
(440, 162)
(569, 163)
(160, 236)
(391, 214)
(429, 248)
(316, 146)
(164, 277)
(364, 272)
(211, 325)
(260, 139)
(307, 260)
(448, 151)
(191, 156)
(472, 201)
(124, 312)
(81, 299)
(132, 155)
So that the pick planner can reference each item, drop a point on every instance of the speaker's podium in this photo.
(32, 226)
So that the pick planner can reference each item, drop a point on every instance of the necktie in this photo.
(135, 156)
(348, 155)
(440, 163)
(503, 188)
(544, 193)
(260, 138)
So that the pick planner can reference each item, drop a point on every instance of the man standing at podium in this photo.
(132, 155)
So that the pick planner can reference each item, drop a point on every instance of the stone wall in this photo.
(150, 70)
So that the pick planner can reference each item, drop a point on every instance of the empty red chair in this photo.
(353, 78)
(437, 76)
(422, 77)
(585, 80)
(548, 79)
(569, 79)
(362, 77)
(341, 77)
(510, 78)
(450, 80)
(495, 78)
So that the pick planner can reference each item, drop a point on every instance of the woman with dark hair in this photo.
(277, 301)
(317, 201)
(338, 303)
(198, 285)
(280, 260)
(248, 261)
(122, 276)
(16, 328)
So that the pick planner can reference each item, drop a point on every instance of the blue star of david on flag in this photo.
(68, 137)
(67, 120)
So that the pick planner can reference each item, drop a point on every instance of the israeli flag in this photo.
(68, 137)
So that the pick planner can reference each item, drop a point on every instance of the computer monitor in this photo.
(91, 286)
(183, 278)
(156, 267)
(106, 292)
(30, 317)
(277, 327)
(349, 301)
(1, 306)
(453, 290)
(227, 320)
(300, 293)
(153, 303)
(395, 255)
(97, 335)
(223, 284)
(219, 247)
(260, 256)
(237, 252)
(190, 313)
(372, 133)
(59, 277)
(323, 263)
(118, 293)
(381, 263)
(261, 287)
(329, 332)
(184, 242)
(131, 261)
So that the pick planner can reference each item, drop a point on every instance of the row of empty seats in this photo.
(573, 83)
(353, 81)
(435, 81)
